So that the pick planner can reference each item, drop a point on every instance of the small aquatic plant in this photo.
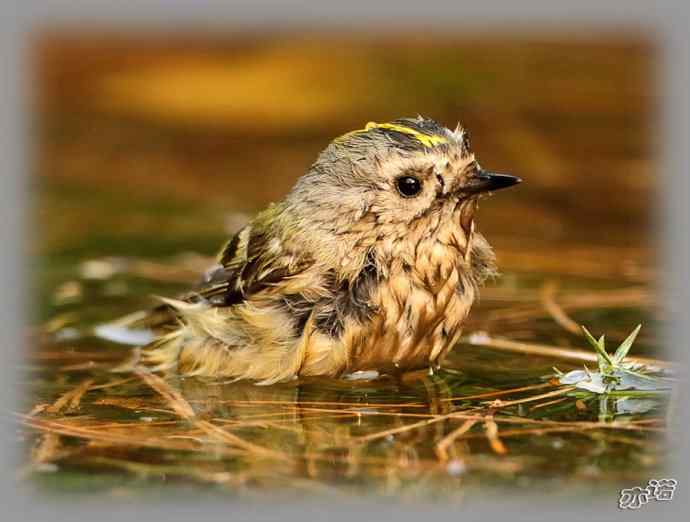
(614, 372)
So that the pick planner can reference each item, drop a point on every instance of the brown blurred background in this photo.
(153, 144)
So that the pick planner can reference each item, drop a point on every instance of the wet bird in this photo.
(371, 262)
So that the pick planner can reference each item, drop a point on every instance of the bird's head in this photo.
(387, 179)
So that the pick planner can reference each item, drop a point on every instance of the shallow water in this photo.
(130, 205)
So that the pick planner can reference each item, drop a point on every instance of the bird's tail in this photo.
(163, 354)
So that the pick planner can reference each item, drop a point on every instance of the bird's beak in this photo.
(483, 181)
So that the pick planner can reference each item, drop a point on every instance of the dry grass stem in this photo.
(547, 403)
(499, 393)
(554, 352)
(112, 384)
(548, 298)
(71, 399)
(409, 427)
(498, 403)
(254, 403)
(178, 403)
(635, 297)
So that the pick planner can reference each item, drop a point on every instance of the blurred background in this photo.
(161, 138)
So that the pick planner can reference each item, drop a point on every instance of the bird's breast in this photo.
(419, 308)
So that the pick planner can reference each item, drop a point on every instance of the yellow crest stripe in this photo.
(425, 139)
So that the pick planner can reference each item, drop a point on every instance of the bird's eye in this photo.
(408, 186)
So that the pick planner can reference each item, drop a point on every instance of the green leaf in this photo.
(625, 346)
(638, 374)
(598, 346)
(604, 367)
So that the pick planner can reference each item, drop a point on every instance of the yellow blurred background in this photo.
(221, 125)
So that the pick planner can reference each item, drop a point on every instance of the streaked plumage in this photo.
(351, 271)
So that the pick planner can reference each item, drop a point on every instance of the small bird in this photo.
(371, 262)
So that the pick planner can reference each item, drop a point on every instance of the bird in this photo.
(370, 263)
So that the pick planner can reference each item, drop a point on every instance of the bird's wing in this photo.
(251, 262)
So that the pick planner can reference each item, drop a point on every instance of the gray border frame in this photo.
(666, 20)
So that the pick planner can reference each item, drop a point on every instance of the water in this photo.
(130, 205)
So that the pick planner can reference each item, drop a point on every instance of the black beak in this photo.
(484, 181)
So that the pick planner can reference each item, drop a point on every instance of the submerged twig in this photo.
(101, 435)
(492, 434)
(442, 446)
(183, 409)
(229, 438)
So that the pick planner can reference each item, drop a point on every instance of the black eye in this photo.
(408, 186)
